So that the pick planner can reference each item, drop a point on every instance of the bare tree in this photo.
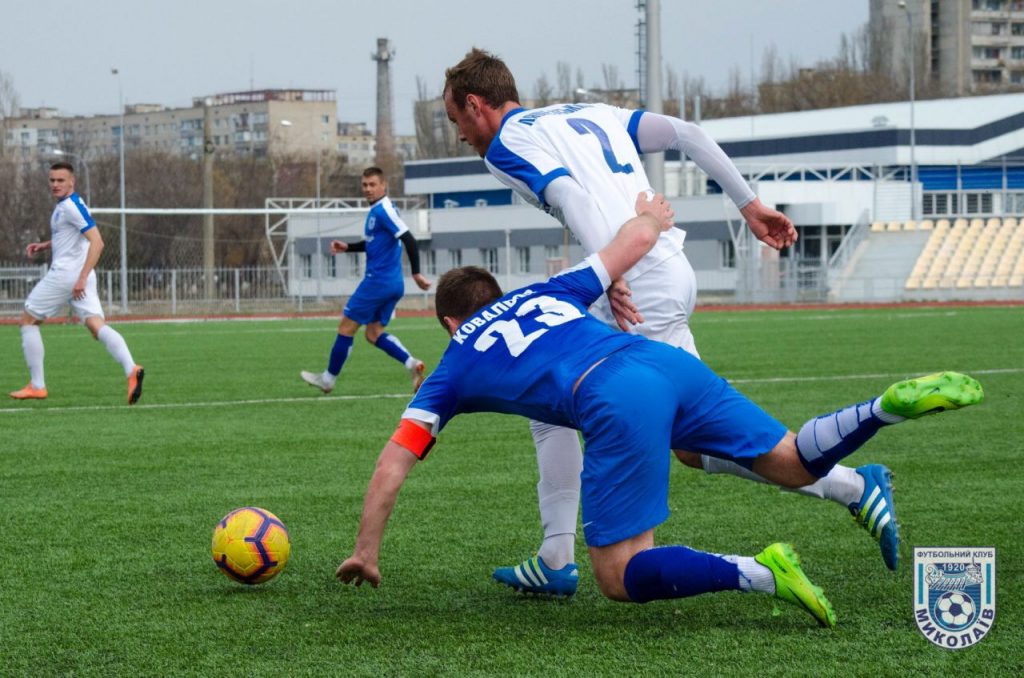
(9, 105)
(543, 92)
(563, 77)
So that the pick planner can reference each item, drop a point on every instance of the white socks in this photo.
(559, 462)
(753, 575)
(117, 347)
(842, 485)
(32, 347)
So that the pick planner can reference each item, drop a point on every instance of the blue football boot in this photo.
(876, 512)
(533, 576)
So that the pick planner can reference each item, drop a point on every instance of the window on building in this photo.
(489, 258)
(986, 52)
(978, 203)
(726, 254)
(430, 262)
(1017, 28)
(522, 260)
(455, 257)
(1017, 53)
(330, 266)
(306, 265)
(987, 77)
(325, 119)
(834, 237)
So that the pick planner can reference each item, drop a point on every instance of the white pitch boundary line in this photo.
(388, 396)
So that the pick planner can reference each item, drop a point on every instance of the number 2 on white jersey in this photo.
(585, 126)
(555, 313)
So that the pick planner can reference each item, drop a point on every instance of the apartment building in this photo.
(961, 46)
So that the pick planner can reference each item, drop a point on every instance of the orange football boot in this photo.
(30, 392)
(135, 384)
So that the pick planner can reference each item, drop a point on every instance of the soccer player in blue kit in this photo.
(581, 163)
(374, 301)
(537, 352)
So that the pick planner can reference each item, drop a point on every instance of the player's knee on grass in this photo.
(609, 564)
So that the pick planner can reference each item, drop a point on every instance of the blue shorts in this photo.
(375, 300)
(633, 408)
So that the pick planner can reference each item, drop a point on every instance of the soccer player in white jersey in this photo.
(581, 163)
(76, 245)
(536, 352)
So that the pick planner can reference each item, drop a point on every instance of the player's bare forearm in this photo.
(37, 247)
(637, 236)
(393, 465)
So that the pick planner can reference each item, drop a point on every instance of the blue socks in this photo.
(340, 351)
(823, 442)
(678, 572)
(393, 347)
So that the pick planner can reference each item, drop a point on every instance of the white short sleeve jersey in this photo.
(596, 145)
(70, 220)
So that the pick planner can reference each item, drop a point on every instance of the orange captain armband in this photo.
(416, 439)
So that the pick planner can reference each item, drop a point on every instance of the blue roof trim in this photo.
(431, 170)
(873, 139)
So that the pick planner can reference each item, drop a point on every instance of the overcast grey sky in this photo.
(60, 54)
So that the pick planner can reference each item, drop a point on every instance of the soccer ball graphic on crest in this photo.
(250, 545)
(954, 610)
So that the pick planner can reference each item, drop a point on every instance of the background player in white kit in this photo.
(76, 245)
(581, 163)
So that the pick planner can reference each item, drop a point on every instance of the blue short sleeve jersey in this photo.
(523, 353)
(70, 220)
(382, 231)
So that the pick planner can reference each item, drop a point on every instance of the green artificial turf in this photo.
(107, 511)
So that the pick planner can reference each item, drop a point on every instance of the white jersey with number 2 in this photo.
(595, 145)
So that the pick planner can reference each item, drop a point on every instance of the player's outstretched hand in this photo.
(355, 571)
(338, 246)
(657, 207)
(621, 299)
(771, 227)
(422, 281)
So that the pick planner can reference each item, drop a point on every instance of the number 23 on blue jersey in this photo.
(554, 313)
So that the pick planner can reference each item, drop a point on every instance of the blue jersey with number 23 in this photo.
(523, 353)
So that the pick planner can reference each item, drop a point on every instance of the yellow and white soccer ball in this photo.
(250, 545)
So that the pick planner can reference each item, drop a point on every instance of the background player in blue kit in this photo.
(581, 162)
(536, 352)
(76, 245)
(381, 289)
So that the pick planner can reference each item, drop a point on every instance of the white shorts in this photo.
(51, 293)
(666, 296)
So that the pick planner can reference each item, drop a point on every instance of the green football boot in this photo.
(932, 393)
(791, 584)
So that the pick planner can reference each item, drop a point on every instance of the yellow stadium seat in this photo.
(877, 226)
(926, 225)
(909, 225)
(893, 226)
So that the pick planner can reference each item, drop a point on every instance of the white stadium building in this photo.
(867, 231)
